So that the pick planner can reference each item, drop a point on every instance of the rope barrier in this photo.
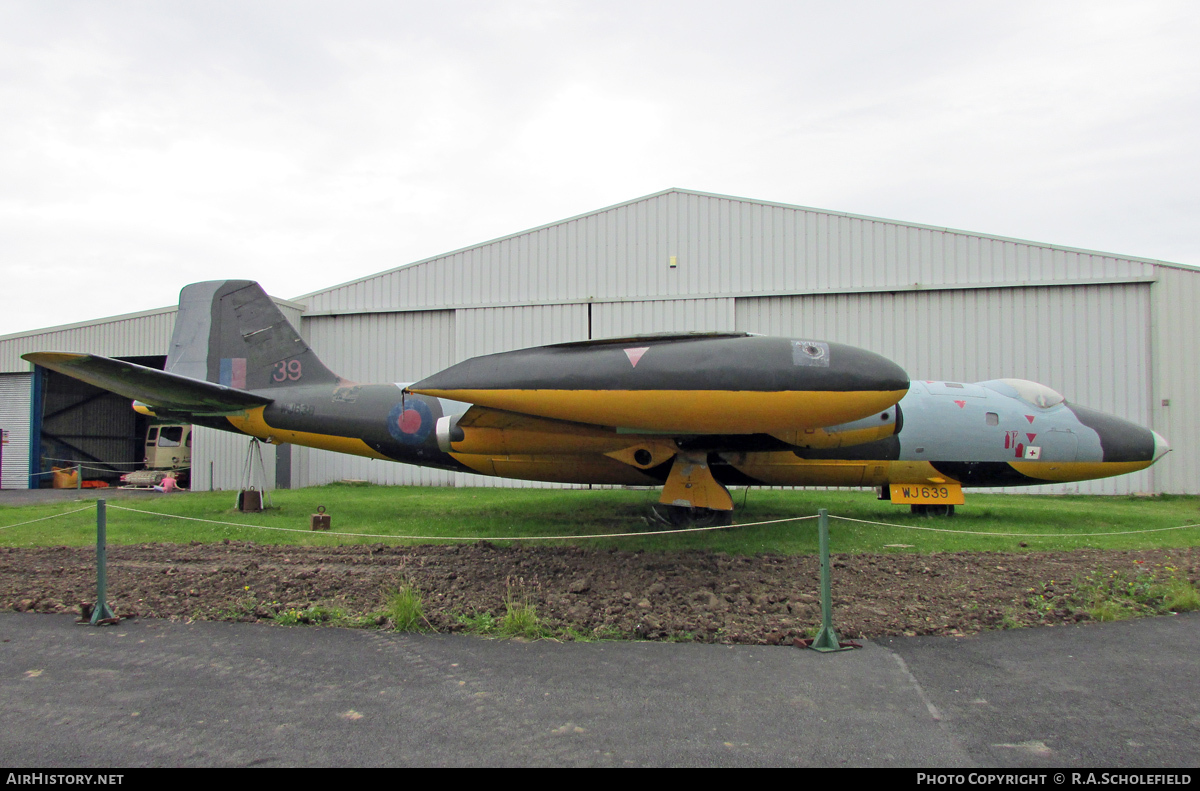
(464, 538)
(73, 462)
(677, 531)
(1011, 535)
(657, 532)
(53, 516)
(71, 467)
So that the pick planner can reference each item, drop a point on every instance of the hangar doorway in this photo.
(78, 423)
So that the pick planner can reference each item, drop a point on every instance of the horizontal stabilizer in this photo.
(158, 389)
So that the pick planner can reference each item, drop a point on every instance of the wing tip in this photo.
(40, 358)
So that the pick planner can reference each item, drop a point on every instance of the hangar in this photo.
(1115, 333)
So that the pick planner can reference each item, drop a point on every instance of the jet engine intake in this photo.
(869, 429)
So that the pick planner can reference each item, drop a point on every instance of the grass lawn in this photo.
(1060, 521)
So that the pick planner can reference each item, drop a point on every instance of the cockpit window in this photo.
(1037, 394)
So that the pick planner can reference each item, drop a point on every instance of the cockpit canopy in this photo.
(1033, 393)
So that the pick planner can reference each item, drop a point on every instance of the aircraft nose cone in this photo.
(1161, 446)
(1120, 439)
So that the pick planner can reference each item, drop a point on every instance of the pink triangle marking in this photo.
(961, 404)
(1031, 436)
(1029, 418)
(635, 355)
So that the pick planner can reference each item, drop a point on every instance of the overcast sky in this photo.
(147, 145)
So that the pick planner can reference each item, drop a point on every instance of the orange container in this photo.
(65, 478)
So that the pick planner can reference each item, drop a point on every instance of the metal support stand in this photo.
(254, 454)
(826, 639)
(78, 478)
(101, 612)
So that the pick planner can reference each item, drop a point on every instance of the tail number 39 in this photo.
(286, 370)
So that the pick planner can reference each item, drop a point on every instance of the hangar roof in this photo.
(722, 246)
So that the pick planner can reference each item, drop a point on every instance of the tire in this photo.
(932, 509)
(684, 516)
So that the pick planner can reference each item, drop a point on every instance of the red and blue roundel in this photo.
(410, 421)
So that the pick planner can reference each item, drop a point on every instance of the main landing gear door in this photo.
(690, 484)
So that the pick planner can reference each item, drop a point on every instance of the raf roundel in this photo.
(410, 422)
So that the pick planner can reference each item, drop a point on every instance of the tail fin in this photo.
(231, 333)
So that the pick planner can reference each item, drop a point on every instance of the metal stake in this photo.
(101, 611)
(78, 477)
(826, 639)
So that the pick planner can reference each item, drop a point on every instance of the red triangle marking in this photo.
(1029, 418)
(635, 355)
(961, 404)
(1031, 436)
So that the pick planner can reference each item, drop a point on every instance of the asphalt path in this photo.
(18, 497)
(161, 693)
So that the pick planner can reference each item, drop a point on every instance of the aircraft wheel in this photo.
(710, 517)
(684, 516)
(932, 510)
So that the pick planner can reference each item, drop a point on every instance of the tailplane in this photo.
(230, 332)
(167, 394)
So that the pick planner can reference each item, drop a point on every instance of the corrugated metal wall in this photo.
(384, 347)
(491, 330)
(614, 319)
(1092, 343)
(1176, 363)
(14, 419)
(219, 461)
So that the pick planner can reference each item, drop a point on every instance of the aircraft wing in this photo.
(158, 389)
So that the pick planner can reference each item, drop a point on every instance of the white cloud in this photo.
(148, 145)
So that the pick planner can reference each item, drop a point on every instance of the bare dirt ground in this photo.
(691, 595)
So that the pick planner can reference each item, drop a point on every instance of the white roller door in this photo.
(14, 420)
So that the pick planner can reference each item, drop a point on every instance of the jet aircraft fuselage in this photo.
(983, 434)
(693, 413)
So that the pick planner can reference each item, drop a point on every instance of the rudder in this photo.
(230, 332)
